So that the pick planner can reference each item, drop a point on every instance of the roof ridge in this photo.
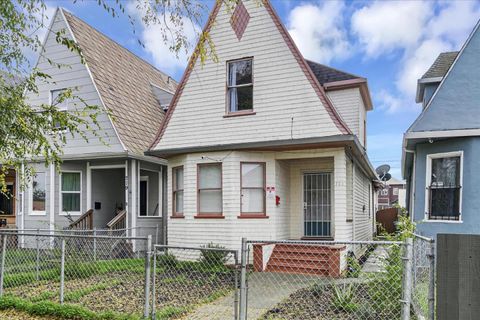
(116, 43)
(326, 66)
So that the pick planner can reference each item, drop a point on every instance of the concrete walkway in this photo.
(376, 261)
(266, 290)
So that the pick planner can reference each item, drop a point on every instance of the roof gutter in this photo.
(107, 155)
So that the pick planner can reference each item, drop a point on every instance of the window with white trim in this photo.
(209, 186)
(444, 186)
(38, 193)
(252, 188)
(144, 190)
(384, 192)
(177, 191)
(71, 192)
(61, 102)
(240, 86)
(395, 191)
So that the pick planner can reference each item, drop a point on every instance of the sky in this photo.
(391, 43)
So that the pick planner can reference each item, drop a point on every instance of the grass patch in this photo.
(65, 311)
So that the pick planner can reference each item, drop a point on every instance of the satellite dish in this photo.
(382, 172)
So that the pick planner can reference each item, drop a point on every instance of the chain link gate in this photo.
(292, 280)
(201, 282)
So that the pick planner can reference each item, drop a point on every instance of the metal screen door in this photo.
(317, 204)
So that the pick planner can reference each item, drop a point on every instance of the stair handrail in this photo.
(118, 222)
(84, 222)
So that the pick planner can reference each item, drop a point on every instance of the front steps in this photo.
(295, 258)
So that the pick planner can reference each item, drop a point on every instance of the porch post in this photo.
(340, 196)
(89, 187)
(52, 202)
(126, 199)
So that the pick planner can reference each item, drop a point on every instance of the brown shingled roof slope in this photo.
(124, 84)
(326, 74)
(441, 65)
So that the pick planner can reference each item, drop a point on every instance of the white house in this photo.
(264, 144)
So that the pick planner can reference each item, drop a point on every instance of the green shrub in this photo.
(167, 259)
(213, 257)
(353, 266)
(344, 298)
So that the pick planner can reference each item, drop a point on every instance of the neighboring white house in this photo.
(264, 144)
(114, 178)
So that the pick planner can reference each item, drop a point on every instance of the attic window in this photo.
(240, 86)
(239, 19)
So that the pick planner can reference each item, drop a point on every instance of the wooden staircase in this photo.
(299, 259)
(84, 222)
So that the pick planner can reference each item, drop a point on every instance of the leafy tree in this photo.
(29, 133)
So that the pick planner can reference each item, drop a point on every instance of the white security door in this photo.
(317, 204)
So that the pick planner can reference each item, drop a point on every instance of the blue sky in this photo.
(391, 43)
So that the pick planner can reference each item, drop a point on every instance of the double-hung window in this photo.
(71, 192)
(252, 188)
(444, 186)
(240, 86)
(38, 194)
(209, 189)
(177, 191)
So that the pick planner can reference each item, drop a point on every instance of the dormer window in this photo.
(240, 86)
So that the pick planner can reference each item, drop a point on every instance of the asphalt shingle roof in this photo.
(326, 74)
(441, 65)
(124, 82)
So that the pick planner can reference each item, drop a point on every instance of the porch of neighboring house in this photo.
(122, 197)
(8, 198)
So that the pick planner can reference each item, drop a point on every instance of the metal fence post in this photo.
(431, 281)
(243, 281)
(2, 266)
(237, 286)
(154, 290)
(407, 278)
(147, 275)
(62, 272)
(156, 234)
(37, 261)
(95, 244)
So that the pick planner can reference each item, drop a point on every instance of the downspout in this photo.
(353, 201)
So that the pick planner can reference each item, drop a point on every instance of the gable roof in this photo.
(124, 84)
(338, 121)
(326, 74)
(441, 65)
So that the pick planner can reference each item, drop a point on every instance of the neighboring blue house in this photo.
(441, 149)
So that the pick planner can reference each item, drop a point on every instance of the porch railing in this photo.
(118, 222)
(85, 221)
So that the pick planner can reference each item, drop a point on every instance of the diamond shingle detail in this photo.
(239, 19)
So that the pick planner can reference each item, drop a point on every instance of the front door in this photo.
(317, 204)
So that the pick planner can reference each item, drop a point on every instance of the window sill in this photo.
(148, 217)
(441, 221)
(38, 213)
(177, 217)
(252, 216)
(64, 214)
(209, 216)
(239, 114)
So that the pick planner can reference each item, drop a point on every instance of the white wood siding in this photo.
(349, 104)
(281, 91)
(363, 218)
(75, 76)
(283, 171)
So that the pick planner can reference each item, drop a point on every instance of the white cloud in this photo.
(151, 36)
(419, 31)
(44, 17)
(319, 32)
(384, 26)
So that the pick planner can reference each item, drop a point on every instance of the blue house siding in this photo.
(470, 190)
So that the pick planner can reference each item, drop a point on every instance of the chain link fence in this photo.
(195, 283)
(423, 292)
(325, 280)
(101, 275)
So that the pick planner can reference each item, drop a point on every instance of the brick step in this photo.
(298, 264)
(307, 249)
(293, 257)
(297, 270)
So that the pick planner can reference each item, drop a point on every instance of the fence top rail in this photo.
(75, 230)
(325, 242)
(423, 238)
(3, 233)
(166, 246)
